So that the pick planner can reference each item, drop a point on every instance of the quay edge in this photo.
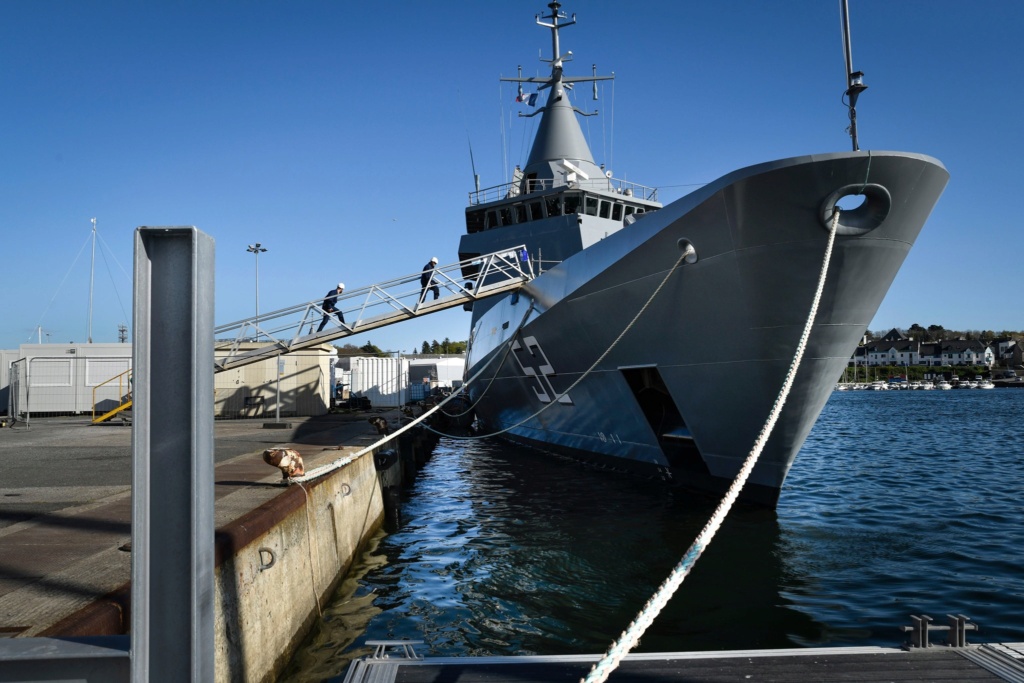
(280, 553)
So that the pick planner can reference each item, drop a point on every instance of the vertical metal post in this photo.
(277, 400)
(256, 249)
(172, 464)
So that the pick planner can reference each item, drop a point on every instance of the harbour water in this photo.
(900, 503)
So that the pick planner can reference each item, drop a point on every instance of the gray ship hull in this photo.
(683, 395)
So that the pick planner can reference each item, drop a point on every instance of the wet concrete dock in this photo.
(65, 510)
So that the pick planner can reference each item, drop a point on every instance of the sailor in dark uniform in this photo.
(331, 306)
(425, 278)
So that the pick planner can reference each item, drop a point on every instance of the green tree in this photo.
(349, 350)
(369, 348)
(425, 348)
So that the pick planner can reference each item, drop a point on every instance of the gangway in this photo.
(369, 308)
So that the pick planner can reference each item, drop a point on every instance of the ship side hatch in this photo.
(668, 424)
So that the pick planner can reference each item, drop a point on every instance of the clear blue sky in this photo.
(341, 140)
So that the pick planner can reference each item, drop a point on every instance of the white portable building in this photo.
(382, 380)
(72, 378)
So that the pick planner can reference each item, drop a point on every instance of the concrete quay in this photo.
(65, 530)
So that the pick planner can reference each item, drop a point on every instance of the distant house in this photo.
(901, 352)
(1012, 356)
(930, 354)
(896, 349)
(967, 352)
(894, 335)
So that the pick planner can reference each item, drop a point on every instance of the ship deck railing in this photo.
(529, 186)
(368, 308)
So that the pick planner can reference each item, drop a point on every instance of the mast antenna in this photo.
(472, 164)
(854, 79)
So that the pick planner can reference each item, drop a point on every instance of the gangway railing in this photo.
(124, 396)
(369, 308)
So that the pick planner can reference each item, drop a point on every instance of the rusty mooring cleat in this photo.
(285, 459)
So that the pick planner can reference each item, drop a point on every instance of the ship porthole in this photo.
(871, 213)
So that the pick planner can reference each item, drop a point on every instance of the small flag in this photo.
(533, 99)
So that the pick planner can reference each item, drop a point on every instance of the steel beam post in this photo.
(172, 616)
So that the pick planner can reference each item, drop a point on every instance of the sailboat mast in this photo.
(92, 277)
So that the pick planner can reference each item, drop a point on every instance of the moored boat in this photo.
(656, 338)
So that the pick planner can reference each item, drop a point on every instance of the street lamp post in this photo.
(256, 249)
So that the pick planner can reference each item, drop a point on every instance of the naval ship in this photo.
(654, 340)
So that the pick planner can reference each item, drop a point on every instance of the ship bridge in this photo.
(369, 308)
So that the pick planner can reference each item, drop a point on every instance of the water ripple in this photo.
(900, 503)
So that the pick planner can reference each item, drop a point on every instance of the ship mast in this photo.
(854, 79)
(554, 26)
(559, 138)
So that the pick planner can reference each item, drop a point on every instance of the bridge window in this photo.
(520, 211)
(536, 211)
(474, 221)
(554, 203)
(572, 203)
(492, 219)
(591, 206)
(606, 208)
(506, 215)
(617, 211)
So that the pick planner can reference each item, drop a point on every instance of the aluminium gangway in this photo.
(369, 308)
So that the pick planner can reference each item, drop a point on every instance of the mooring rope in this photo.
(587, 372)
(309, 545)
(631, 636)
(508, 348)
(341, 462)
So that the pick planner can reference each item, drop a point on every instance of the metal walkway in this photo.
(989, 662)
(368, 308)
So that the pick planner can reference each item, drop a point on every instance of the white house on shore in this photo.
(895, 349)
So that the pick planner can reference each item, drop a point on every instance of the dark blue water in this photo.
(900, 503)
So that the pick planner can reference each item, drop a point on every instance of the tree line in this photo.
(934, 333)
(431, 347)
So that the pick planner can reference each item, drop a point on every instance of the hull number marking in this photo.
(536, 365)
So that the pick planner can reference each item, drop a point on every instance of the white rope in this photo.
(309, 544)
(508, 347)
(582, 377)
(341, 462)
(631, 636)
